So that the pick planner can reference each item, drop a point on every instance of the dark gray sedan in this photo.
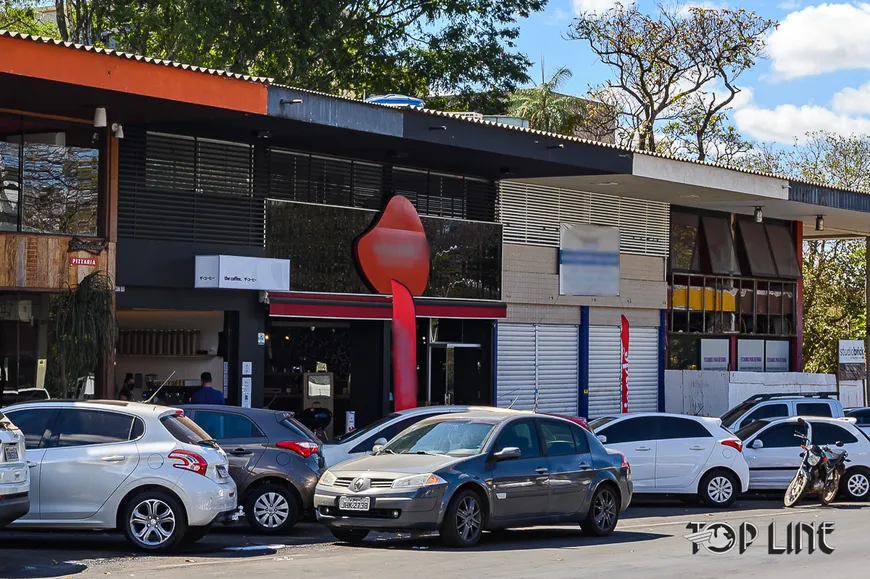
(461, 474)
(274, 460)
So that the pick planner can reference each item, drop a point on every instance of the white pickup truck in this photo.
(773, 406)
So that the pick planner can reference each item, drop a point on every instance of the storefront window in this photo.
(23, 341)
(755, 249)
(50, 177)
(720, 245)
(684, 242)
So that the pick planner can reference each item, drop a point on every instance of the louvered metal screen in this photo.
(532, 214)
(185, 189)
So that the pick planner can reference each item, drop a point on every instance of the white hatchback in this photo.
(677, 454)
(774, 452)
(14, 475)
(145, 470)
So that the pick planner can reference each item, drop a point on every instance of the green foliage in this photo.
(544, 107)
(82, 331)
(677, 68)
(25, 16)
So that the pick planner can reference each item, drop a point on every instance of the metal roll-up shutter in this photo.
(605, 392)
(558, 384)
(643, 370)
(516, 366)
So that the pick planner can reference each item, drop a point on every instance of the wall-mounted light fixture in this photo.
(559, 146)
(263, 134)
(117, 130)
(438, 128)
(820, 222)
(759, 216)
(290, 102)
(100, 117)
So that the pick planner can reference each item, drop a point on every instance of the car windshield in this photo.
(354, 434)
(732, 415)
(449, 437)
(599, 422)
(751, 429)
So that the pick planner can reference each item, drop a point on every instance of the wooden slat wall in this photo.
(42, 262)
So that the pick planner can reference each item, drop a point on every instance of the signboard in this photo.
(851, 354)
(588, 260)
(247, 368)
(86, 261)
(238, 272)
(776, 356)
(750, 355)
(246, 392)
(714, 355)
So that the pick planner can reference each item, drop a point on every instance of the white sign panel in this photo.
(714, 355)
(246, 392)
(588, 260)
(851, 352)
(238, 272)
(247, 368)
(750, 355)
(777, 356)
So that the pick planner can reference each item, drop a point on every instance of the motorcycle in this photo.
(820, 470)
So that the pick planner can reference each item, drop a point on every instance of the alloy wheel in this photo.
(858, 485)
(152, 522)
(604, 510)
(468, 518)
(720, 489)
(271, 510)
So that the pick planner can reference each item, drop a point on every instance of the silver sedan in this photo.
(461, 474)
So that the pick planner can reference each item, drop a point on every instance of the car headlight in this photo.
(813, 459)
(418, 481)
(328, 479)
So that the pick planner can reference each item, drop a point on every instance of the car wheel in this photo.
(154, 521)
(603, 513)
(351, 536)
(463, 521)
(856, 484)
(271, 509)
(195, 534)
(718, 489)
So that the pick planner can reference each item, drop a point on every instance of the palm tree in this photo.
(544, 107)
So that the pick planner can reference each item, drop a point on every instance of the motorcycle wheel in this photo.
(828, 495)
(796, 489)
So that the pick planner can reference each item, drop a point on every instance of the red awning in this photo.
(376, 307)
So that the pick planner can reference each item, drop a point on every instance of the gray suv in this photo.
(274, 460)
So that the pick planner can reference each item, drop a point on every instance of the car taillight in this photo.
(303, 449)
(624, 462)
(734, 443)
(186, 460)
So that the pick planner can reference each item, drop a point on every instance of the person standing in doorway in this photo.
(207, 394)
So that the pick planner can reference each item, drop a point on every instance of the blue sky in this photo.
(817, 76)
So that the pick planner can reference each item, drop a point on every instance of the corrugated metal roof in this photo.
(136, 57)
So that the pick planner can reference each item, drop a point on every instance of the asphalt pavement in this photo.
(649, 542)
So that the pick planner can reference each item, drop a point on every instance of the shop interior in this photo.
(159, 345)
(454, 364)
(23, 341)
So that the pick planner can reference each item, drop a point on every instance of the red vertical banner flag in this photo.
(404, 348)
(624, 338)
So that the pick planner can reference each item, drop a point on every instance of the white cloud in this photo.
(789, 5)
(581, 6)
(821, 39)
(852, 100)
(784, 123)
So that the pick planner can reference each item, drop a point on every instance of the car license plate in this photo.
(222, 471)
(354, 503)
(11, 453)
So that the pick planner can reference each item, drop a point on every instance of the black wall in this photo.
(370, 370)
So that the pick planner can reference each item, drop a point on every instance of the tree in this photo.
(680, 65)
(357, 47)
(544, 107)
(24, 16)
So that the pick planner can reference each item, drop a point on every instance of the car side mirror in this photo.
(602, 439)
(379, 445)
(507, 453)
(756, 444)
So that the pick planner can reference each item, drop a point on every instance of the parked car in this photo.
(862, 418)
(772, 406)
(360, 442)
(579, 420)
(11, 397)
(274, 460)
(677, 454)
(462, 473)
(773, 452)
(148, 471)
(14, 474)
